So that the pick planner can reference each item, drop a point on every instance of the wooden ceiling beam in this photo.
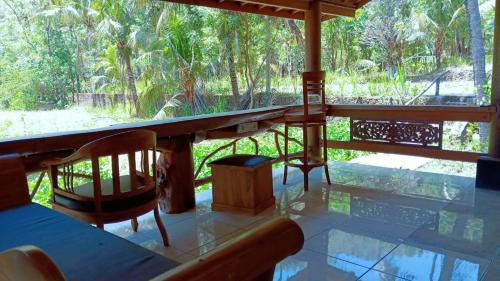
(281, 8)
(264, 9)
(327, 17)
(282, 4)
(330, 9)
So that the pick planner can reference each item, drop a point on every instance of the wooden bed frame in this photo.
(251, 256)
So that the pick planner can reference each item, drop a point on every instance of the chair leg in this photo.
(135, 224)
(285, 174)
(305, 159)
(306, 179)
(285, 170)
(161, 227)
(325, 155)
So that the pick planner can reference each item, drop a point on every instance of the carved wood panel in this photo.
(398, 132)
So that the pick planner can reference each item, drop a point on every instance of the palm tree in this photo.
(386, 29)
(184, 51)
(478, 55)
(116, 21)
(156, 69)
(437, 20)
(73, 15)
(109, 71)
(228, 22)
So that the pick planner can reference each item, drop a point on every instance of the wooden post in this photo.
(494, 143)
(312, 23)
(176, 174)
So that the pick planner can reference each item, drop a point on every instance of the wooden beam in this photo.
(337, 10)
(253, 9)
(313, 38)
(406, 150)
(494, 143)
(421, 113)
(283, 4)
(313, 63)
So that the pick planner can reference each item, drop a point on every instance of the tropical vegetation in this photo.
(156, 53)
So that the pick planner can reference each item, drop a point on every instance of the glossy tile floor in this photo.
(372, 223)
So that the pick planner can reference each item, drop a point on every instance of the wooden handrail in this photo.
(165, 128)
(465, 156)
(421, 113)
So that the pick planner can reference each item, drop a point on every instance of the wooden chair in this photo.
(309, 116)
(110, 200)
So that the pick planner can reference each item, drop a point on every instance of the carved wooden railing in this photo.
(410, 130)
(427, 134)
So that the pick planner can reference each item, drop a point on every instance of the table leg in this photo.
(176, 174)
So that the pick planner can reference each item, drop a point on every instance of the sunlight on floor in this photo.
(373, 223)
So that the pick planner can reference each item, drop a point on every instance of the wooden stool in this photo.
(313, 87)
(242, 183)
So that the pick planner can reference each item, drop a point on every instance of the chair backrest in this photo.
(13, 183)
(314, 87)
(126, 143)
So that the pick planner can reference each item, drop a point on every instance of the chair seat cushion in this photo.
(87, 190)
(242, 160)
(81, 252)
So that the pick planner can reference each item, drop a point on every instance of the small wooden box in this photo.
(242, 183)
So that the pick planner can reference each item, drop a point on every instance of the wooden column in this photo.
(312, 23)
(176, 174)
(494, 145)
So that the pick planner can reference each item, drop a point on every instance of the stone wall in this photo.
(262, 100)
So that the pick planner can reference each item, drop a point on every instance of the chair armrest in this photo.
(28, 263)
(59, 161)
(251, 256)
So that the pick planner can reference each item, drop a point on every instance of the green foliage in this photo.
(50, 51)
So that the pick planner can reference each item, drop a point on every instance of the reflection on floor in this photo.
(372, 224)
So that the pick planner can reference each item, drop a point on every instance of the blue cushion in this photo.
(242, 160)
(81, 251)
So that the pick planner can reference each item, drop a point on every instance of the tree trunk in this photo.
(233, 77)
(131, 82)
(269, 55)
(438, 48)
(478, 56)
(296, 32)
